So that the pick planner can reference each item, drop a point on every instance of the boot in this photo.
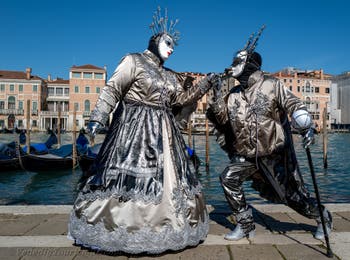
(329, 225)
(245, 226)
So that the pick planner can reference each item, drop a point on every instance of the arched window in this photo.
(11, 102)
(87, 105)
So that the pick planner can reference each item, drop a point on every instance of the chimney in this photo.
(321, 70)
(28, 72)
(49, 77)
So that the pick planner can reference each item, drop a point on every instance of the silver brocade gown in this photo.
(144, 195)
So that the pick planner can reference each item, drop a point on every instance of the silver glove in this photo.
(94, 128)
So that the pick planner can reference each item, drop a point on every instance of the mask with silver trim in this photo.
(244, 56)
(164, 35)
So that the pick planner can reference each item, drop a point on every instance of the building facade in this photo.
(85, 85)
(313, 88)
(16, 88)
(57, 105)
(340, 106)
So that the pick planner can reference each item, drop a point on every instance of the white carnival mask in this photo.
(239, 63)
(165, 47)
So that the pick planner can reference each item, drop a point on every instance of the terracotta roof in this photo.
(9, 74)
(86, 66)
(59, 81)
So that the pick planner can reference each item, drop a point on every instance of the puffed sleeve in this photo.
(185, 97)
(287, 100)
(114, 90)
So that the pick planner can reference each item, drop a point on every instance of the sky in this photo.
(51, 36)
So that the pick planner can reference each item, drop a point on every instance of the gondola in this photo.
(55, 159)
(9, 152)
(8, 157)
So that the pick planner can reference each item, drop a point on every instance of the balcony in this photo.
(53, 113)
(11, 112)
(86, 113)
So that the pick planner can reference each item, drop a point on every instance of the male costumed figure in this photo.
(253, 128)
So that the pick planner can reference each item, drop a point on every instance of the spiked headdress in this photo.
(161, 25)
(253, 41)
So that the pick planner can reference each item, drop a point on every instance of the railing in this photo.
(11, 112)
(53, 113)
(34, 112)
(86, 113)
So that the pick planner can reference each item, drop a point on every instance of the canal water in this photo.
(59, 187)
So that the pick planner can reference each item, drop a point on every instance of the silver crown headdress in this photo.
(253, 41)
(161, 25)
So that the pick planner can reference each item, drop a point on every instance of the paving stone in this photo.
(9, 253)
(298, 251)
(21, 224)
(248, 252)
(341, 225)
(278, 222)
(305, 224)
(345, 215)
(216, 229)
(272, 239)
(219, 240)
(86, 254)
(55, 225)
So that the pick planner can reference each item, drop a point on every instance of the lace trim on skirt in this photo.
(145, 240)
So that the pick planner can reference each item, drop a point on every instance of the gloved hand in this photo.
(215, 81)
(93, 128)
(308, 137)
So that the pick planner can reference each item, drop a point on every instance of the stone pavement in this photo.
(39, 232)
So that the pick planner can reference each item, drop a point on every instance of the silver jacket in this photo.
(140, 78)
(257, 114)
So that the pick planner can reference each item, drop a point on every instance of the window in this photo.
(12, 87)
(307, 88)
(298, 81)
(34, 123)
(59, 91)
(66, 91)
(98, 75)
(290, 81)
(290, 88)
(20, 123)
(87, 75)
(327, 90)
(2, 87)
(298, 88)
(76, 106)
(35, 88)
(285, 80)
(98, 90)
(87, 105)
(87, 89)
(2, 104)
(20, 87)
(35, 106)
(76, 89)
(2, 123)
(11, 103)
(51, 91)
(317, 90)
(76, 75)
(20, 104)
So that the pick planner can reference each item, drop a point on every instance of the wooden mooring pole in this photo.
(207, 144)
(59, 127)
(28, 127)
(74, 152)
(325, 138)
(189, 131)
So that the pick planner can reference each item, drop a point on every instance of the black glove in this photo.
(308, 137)
(93, 128)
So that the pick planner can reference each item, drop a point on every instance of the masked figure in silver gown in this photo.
(253, 128)
(143, 195)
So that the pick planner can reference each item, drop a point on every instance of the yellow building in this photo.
(16, 87)
(313, 88)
